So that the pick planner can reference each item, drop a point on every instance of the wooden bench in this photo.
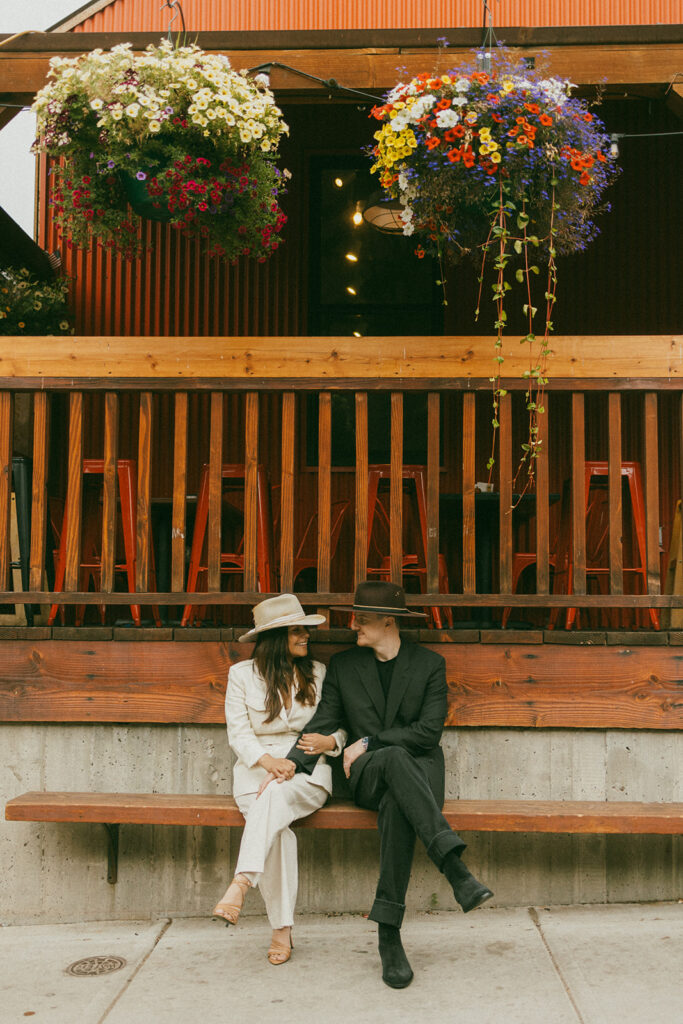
(558, 816)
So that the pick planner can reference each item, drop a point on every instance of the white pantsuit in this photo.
(268, 853)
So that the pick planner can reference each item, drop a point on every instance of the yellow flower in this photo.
(484, 133)
(496, 158)
(507, 86)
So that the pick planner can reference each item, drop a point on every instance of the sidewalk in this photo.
(616, 964)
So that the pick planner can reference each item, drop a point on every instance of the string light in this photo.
(351, 257)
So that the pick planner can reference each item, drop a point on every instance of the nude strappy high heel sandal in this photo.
(228, 909)
(279, 953)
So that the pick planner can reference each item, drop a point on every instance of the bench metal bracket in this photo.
(112, 852)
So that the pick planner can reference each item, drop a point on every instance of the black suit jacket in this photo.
(412, 717)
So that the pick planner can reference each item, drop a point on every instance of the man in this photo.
(390, 696)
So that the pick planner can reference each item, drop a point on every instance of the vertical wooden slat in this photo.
(396, 489)
(41, 436)
(215, 493)
(433, 466)
(179, 512)
(578, 493)
(361, 549)
(142, 559)
(652, 493)
(469, 582)
(505, 486)
(111, 437)
(6, 417)
(74, 492)
(250, 490)
(324, 489)
(616, 553)
(542, 503)
(287, 493)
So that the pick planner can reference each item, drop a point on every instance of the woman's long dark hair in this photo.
(279, 671)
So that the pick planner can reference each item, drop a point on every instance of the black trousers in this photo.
(407, 796)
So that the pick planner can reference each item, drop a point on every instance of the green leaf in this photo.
(519, 274)
(534, 270)
(518, 245)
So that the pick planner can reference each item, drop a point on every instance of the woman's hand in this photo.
(266, 782)
(315, 743)
(280, 767)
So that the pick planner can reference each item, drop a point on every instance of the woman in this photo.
(269, 699)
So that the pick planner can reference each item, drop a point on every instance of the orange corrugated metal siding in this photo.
(274, 15)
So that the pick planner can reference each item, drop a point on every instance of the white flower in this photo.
(96, 104)
(447, 118)
(132, 110)
(462, 85)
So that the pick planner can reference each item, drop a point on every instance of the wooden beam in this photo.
(615, 361)
(376, 69)
(525, 685)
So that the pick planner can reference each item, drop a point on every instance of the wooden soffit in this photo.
(369, 60)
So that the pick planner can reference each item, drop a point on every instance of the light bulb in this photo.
(351, 257)
(350, 290)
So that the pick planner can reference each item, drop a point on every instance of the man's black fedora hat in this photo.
(381, 598)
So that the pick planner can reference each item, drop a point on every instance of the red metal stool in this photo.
(90, 566)
(631, 471)
(412, 564)
(231, 561)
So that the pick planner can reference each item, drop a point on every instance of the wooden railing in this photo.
(173, 404)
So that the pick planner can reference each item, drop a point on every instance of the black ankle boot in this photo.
(467, 890)
(396, 971)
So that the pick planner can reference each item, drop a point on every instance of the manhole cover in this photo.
(95, 965)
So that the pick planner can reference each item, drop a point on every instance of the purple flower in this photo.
(110, 164)
(141, 176)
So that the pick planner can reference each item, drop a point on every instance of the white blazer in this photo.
(250, 736)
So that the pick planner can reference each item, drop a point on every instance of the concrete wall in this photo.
(58, 871)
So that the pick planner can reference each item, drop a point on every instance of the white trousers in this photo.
(268, 855)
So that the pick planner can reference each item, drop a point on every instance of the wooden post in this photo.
(616, 527)
(652, 493)
(578, 513)
(142, 561)
(505, 486)
(6, 422)
(111, 438)
(250, 490)
(361, 548)
(543, 503)
(74, 492)
(469, 583)
(215, 493)
(287, 493)
(324, 489)
(179, 513)
(433, 467)
(396, 489)
(41, 437)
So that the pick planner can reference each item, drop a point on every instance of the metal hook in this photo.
(175, 7)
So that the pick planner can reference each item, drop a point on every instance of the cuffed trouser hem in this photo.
(442, 844)
(385, 912)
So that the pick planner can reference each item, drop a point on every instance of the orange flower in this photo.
(443, 104)
(497, 117)
(585, 178)
(545, 120)
(420, 253)
(533, 108)
(577, 164)
(454, 155)
(588, 160)
(492, 98)
(588, 117)
(601, 157)
(433, 142)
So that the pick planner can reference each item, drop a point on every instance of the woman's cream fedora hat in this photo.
(276, 612)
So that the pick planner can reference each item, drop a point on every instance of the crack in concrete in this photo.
(143, 961)
(533, 914)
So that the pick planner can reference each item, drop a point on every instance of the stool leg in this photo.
(197, 543)
(128, 496)
(635, 485)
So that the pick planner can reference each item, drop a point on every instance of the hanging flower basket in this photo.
(456, 148)
(171, 134)
(504, 166)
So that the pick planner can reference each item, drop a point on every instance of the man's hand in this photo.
(351, 754)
